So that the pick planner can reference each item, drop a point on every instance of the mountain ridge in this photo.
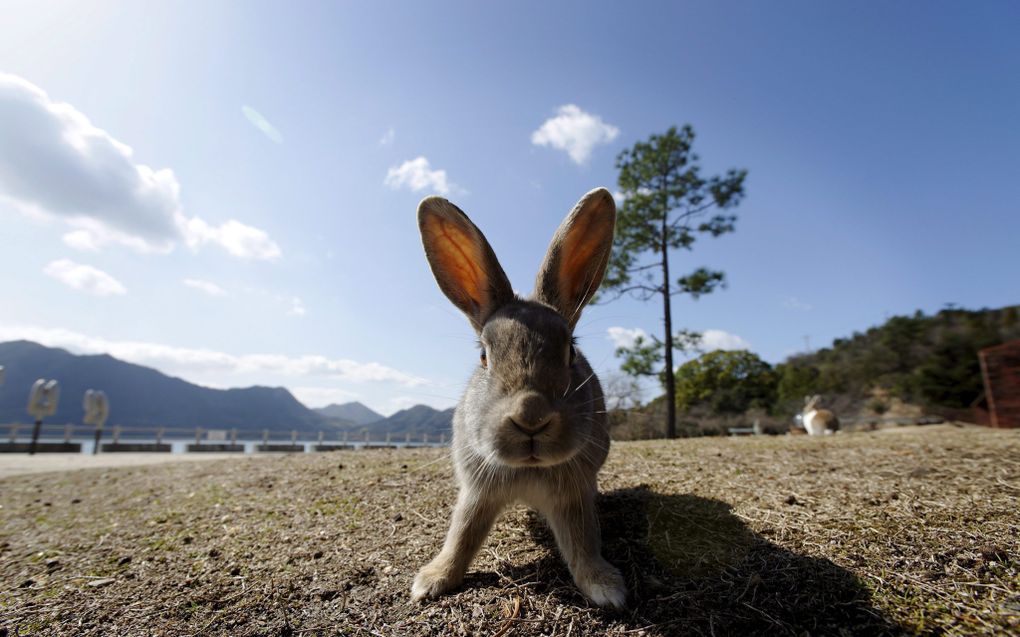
(353, 412)
(145, 397)
(141, 396)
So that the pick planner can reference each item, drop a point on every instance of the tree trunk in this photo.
(668, 321)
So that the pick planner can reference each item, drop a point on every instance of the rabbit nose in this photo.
(531, 429)
(531, 414)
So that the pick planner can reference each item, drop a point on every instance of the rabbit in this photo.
(815, 421)
(531, 425)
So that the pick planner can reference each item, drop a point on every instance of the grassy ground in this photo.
(884, 533)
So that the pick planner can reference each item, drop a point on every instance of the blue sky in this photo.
(226, 191)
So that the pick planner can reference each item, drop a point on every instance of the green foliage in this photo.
(931, 360)
(701, 281)
(726, 382)
(796, 380)
(667, 205)
(644, 357)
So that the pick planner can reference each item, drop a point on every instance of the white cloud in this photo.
(238, 239)
(185, 361)
(256, 119)
(416, 175)
(84, 277)
(625, 337)
(81, 240)
(388, 137)
(398, 403)
(92, 236)
(712, 340)
(207, 287)
(54, 163)
(575, 132)
(793, 303)
(321, 396)
(297, 308)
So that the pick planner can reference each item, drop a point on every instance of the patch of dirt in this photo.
(844, 535)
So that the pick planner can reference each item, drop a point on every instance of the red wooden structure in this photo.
(1000, 369)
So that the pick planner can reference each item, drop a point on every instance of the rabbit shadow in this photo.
(693, 567)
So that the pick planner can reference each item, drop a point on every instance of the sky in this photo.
(227, 191)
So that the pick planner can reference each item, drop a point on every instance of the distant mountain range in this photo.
(354, 413)
(417, 420)
(144, 397)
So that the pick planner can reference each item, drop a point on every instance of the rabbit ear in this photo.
(462, 260)
(578, 255)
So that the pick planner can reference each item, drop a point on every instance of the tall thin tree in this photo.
(667, 205)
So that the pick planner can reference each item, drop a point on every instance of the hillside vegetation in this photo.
(908, 365)
(928, 360)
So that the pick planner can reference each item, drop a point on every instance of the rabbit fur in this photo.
(817, 421)
(531, 425)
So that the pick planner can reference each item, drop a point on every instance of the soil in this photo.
(852, 534)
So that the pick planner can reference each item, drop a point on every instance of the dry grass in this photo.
(885, 533)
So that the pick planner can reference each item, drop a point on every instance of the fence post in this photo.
(407, 438)
(389, 436)
(442, 439)
(35, 436)
(116, 434)
(14, 433)
(67, 433)
(233, 437)
(198, 436)
(265, 439)
(159, 436)
(345, 436)
(95, 442)
(425, 438)
(293, 437)
(321, 435)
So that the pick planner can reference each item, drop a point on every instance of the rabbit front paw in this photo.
(603, 584)
(435, 578)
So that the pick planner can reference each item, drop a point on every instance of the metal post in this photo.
(293, 437)
(116, 434)
(95, 444)
(321, 435)
(407, 438)
(35, 436)
(425, 438)
(233, 437)
(389, 436)
(265, 438)
(198, 436)
(67, 433)
(14, 433)
(159, 436)
(366, 435)
(345, 436)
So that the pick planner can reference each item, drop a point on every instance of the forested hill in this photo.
(929, 360)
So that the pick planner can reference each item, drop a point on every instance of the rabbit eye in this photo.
(484, 359)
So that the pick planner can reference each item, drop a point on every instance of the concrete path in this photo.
(13, 464)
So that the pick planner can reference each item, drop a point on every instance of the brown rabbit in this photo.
(817, 421)
(531, 425)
